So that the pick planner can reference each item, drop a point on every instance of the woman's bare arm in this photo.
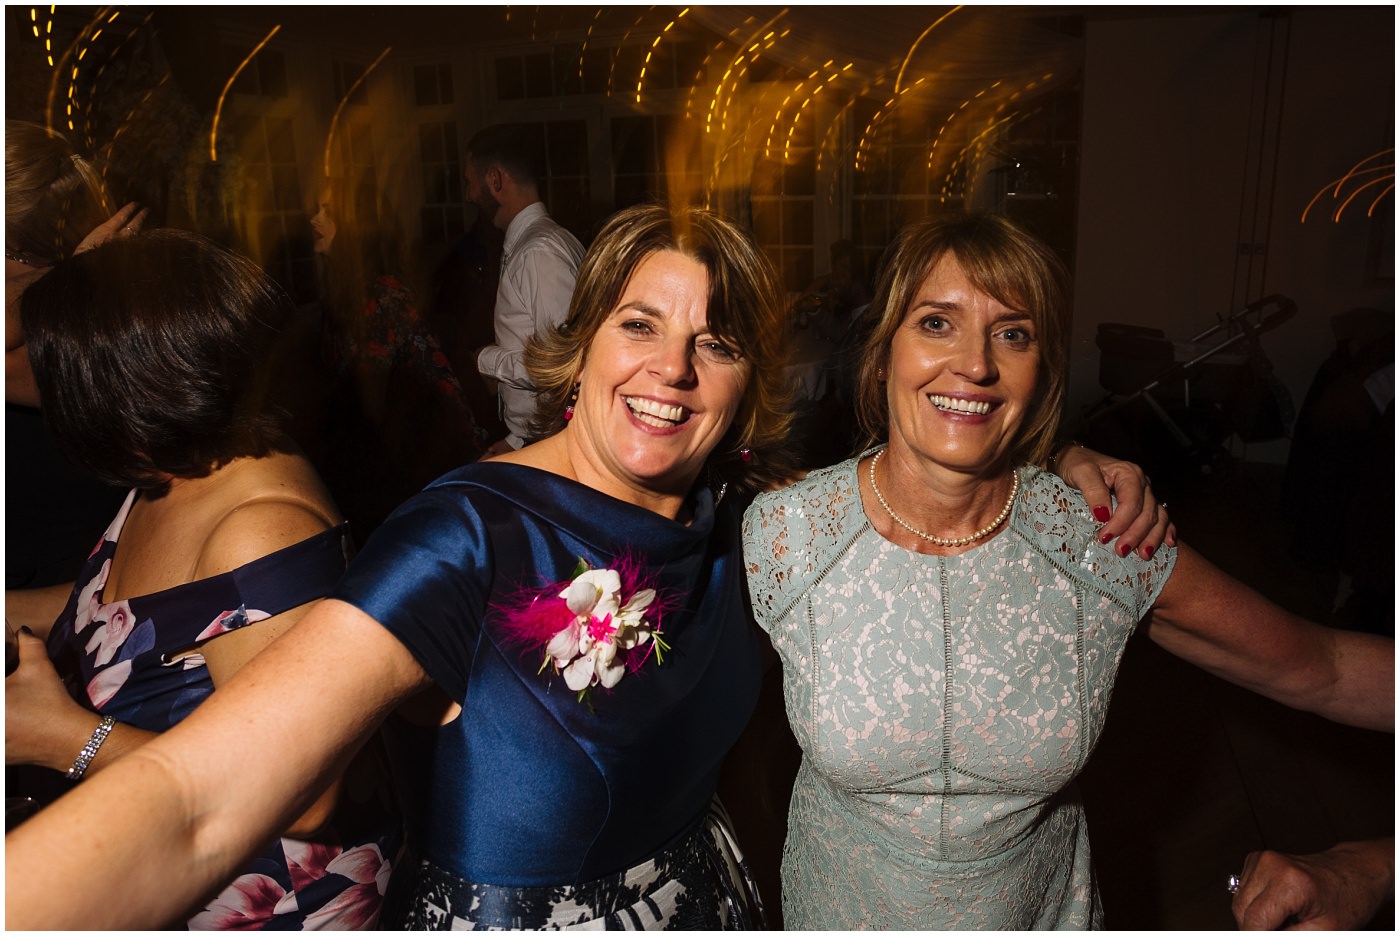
(1208, 618)
(171, 821)
(36, 608)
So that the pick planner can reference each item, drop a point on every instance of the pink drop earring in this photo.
(569, 407)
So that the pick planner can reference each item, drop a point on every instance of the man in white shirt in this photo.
(538, 266)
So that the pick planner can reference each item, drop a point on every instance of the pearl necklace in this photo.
(986, 531)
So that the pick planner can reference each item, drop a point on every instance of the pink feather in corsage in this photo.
(595, 628)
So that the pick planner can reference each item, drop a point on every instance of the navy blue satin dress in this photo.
(529, 787)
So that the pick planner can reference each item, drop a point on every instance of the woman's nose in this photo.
(975, 361)
(674, 362)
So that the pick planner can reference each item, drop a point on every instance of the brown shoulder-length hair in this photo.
(53, 197)
(151, 357)
(743, 309)
(1005, 262)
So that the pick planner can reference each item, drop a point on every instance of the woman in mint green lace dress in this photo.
(950, 622)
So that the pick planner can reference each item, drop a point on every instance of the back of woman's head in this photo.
(53, 198)
(743, 309)
(1005, 262)
(150, 353)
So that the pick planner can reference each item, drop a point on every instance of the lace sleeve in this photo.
(1057, 523)
(792, 536)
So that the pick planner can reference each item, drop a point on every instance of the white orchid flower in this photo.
(632, 628)
(594, 593)
(591, 649)
(579, 674)
(563, 646)
(609, 674)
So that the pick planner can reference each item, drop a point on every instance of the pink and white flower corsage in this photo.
(602, 625)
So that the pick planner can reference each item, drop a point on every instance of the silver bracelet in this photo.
(89, 751)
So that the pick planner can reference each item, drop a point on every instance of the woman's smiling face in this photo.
(963, 372)
(658, 390)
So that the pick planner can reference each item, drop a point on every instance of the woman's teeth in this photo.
(656, 414)
(974, 407)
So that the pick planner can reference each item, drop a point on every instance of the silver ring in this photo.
(1233, 884)
(1162, 505)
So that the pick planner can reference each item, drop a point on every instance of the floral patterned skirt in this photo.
(701, 883)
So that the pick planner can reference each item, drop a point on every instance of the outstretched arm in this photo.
(165, 825)
(1208, 618)
(1139, 521)
(1338, 889)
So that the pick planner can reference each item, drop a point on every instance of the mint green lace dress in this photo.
(944, 706)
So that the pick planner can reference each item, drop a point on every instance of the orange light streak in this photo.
(748, 45)
(654, 43)
(218, 108)
(899, 79)
(1388, 189)
(1359, 189)
(1354, 173)
(335, 120)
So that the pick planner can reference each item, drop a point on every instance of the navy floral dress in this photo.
(139, 661)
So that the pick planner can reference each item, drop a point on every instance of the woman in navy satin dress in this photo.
(566, 625)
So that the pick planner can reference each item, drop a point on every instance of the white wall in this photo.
(1169, 169)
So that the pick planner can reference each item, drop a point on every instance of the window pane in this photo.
(629, 65)
(272, 73)
(630, 190)
(281, 144)
(433, 230)
(430, 140)
(690, 59)
(797, 269)
(425, 85)
(633, 151)
(361, 142)
(661, 70)
(597, 66)
(568, 203)
(797, 222)
(568, 147)
(871, 222)
(510, 78)
(800, 175)
(766, 176)
(566, 68)
(445, 93)
(286, 188)
(454, 222)
(538, 75)
(767, 223)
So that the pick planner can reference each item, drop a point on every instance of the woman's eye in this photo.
(716, 350)
(1016, 337)
(636, 326)
(934, 323)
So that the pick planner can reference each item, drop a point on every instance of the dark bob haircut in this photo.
(150, 355)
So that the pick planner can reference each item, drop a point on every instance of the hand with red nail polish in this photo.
(1136, 515)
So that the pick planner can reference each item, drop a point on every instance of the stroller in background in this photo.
(1173, 405)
